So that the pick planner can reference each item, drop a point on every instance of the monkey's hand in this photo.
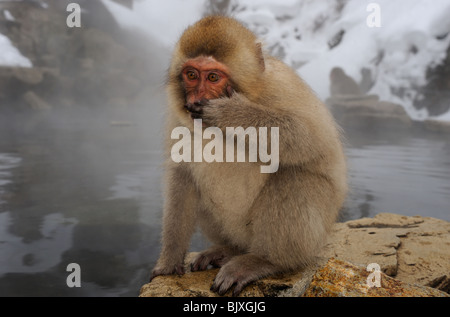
(225, 112)
(167, 270)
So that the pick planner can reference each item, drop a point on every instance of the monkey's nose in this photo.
(201, 102)
(194, 108)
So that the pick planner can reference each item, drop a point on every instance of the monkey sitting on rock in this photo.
(260, 224)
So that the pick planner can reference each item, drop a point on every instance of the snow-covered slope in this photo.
(414, 35)
(10, 55)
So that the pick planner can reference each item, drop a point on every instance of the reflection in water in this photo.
(80, 190)
(40, 255)
(86, 192)
(7, 162)
(410, 176)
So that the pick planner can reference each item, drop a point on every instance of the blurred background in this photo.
(82, 109)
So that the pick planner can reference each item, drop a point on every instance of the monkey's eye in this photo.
(191, 75)
(213, 77)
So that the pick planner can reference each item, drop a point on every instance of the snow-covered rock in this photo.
(10, 55)
(413, 37)
(315, 36)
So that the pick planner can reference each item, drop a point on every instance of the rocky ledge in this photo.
(412, 253)
(368, 113)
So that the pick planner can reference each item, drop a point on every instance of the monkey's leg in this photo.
(240, 271)
(288, 230)
(179, 220)
(216, 256)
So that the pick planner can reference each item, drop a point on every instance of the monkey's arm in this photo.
(300, 138)
(178, 221)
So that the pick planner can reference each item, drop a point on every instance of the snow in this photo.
(407, 41)
(10, 55)
(445, 117)
(8, 16)
(414, 36)
(161, 20)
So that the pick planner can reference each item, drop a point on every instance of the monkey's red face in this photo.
(204, 78)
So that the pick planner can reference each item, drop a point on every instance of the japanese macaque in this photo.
(342, 84)
(260, 224)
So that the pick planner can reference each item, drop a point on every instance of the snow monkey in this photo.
(260, 224)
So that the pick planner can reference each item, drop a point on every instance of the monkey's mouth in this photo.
(195, 110)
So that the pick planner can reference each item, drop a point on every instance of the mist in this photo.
(82, 112)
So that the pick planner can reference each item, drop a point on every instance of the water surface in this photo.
(85, 188)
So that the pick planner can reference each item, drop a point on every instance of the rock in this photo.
(367, 112)
(385, 220)
(442, 283)
(23, 76)
(363, 246)
(95, 65)
(30, 76)
(435, 95)
(413, 254)
(126, 3)
(190, 285)
(342, 84)
(334, 279)
(411, 249)
(197, 284)
(35, 102)
(437, 126)
(15, 81)
(343, 279)
(43, 81)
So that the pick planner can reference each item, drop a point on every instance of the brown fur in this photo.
(261, 224)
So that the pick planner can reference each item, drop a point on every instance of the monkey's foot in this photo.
(241, 271)
(167, 270)
(216, 256)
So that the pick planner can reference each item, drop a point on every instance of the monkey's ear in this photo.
(260, 56)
